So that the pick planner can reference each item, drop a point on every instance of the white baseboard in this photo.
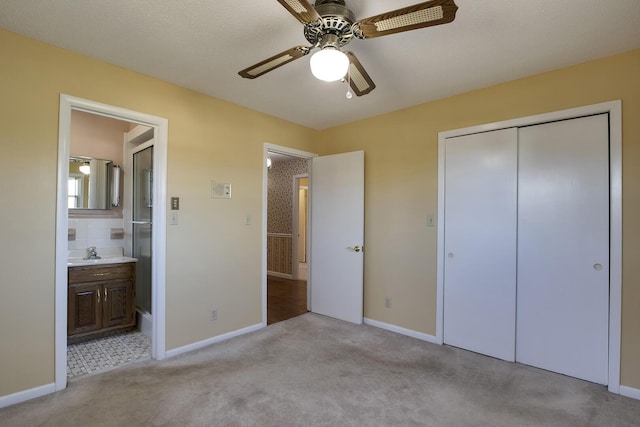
(631, 392)
(283, 275)
(23, 396)
(400, 330)
(213, 340)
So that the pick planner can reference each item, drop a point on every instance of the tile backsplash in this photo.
(95, 232)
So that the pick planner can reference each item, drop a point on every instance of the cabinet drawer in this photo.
(100, 273)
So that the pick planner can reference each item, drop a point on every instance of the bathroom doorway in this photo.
(103, 331)
(155, 243)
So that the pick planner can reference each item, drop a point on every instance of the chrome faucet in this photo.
(92, 253)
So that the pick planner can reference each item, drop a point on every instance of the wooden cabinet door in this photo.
(118, 303)
(85, 308)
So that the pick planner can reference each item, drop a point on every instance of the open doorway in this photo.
(103, 233)
(335, 239)
(107, 276)
(286, 239)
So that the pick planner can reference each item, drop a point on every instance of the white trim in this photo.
(23, 396)
(161, 125)
(631, 392)
(614, 109)
(400, 330)
(295, 227)
(615, 242)
(62, 226)
(278, 274)
(213, 340)
(268, 147)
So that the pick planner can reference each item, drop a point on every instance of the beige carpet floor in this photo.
(316, 371)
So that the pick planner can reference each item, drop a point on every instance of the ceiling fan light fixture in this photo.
(85, 168)
(329, 64)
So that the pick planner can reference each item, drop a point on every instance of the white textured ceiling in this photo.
(202, 44)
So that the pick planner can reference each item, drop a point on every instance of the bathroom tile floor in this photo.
(105, 351)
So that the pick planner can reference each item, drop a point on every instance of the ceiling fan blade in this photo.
(359, 79)
(274, 62)
(301, 9)
(427, 14)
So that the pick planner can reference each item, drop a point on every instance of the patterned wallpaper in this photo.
(280, 194)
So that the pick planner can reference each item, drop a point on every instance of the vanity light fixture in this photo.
(115, 186)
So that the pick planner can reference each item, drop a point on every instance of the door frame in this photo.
(295, 271)
(614, 109)
(160, 125)
(268, 147)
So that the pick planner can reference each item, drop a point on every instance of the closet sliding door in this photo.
(563, 247)
(480, 242)
(526, 245)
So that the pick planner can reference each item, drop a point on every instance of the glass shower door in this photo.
(142, 225)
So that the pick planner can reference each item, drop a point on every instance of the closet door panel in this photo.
(480, 242)
(563, 247)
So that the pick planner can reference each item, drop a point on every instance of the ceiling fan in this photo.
(330, 25)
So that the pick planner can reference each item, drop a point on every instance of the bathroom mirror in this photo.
(90, 184)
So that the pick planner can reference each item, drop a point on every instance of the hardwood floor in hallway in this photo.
(286, 298)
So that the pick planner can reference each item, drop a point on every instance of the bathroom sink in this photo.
(79, 262)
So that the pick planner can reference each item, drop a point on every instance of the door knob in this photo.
(597, 267)
(355, 248)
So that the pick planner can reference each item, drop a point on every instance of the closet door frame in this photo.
(614, 110)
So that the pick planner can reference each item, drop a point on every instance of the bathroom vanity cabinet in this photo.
(100, 298)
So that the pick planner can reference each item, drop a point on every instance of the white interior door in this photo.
(480, 242)
(563, 247)
(337, 236)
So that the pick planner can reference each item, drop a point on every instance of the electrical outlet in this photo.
(387, 302)
(214, 314)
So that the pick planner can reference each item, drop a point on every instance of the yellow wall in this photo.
(401, 185)
(214, 260)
